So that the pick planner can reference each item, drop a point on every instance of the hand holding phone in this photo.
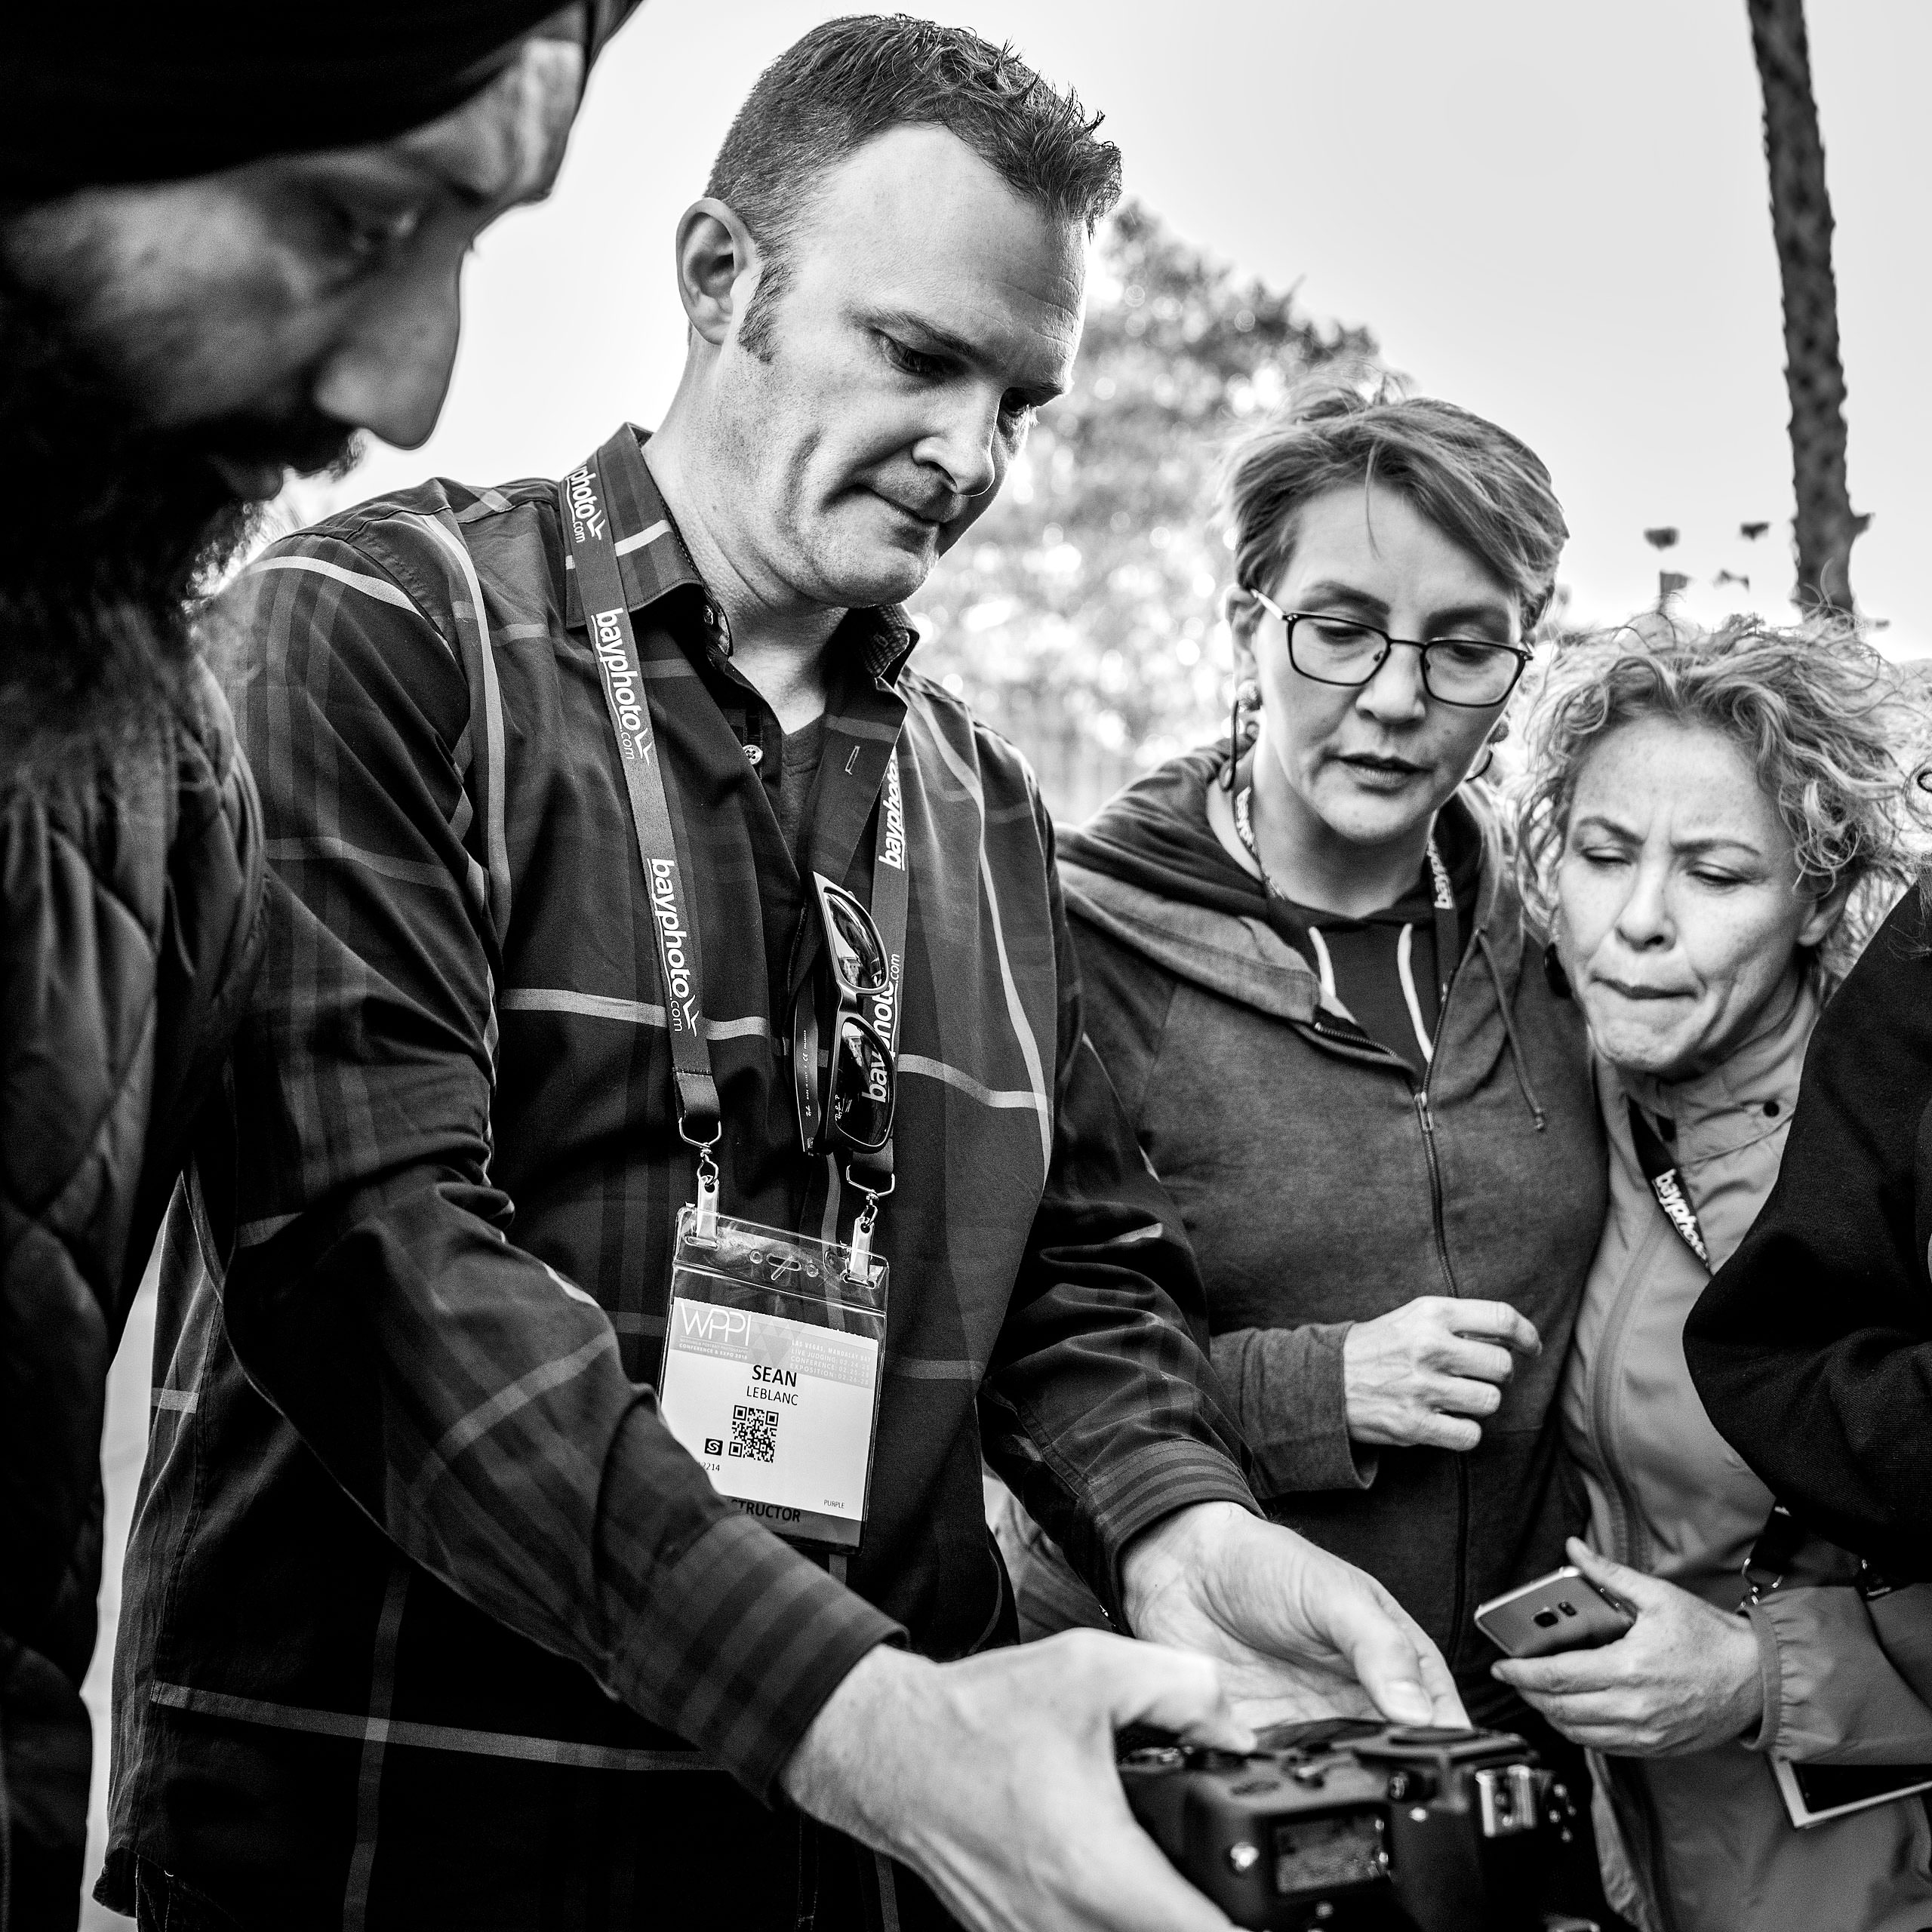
(1562, 1611)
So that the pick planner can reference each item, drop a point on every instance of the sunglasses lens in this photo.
(857, 954)
(861, 1088)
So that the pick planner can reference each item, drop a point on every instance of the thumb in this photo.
(1176, 1690)
(1630, 1587)
(1401, 1670)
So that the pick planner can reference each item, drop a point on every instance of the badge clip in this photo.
(704, 1227)
(859, 1260)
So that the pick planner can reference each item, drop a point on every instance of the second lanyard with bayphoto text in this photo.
(773, 1339)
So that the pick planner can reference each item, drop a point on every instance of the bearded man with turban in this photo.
(225, 250)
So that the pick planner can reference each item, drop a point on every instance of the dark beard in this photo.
(109, 534)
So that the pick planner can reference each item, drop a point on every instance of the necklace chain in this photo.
(1444, 893)
(1245, 831)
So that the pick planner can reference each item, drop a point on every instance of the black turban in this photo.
(161, 92)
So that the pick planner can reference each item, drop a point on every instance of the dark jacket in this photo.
(130, 897)
(1813, 1347)
(1321, 1185)
(428, 1619)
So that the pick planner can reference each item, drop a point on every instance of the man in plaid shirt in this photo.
(430, 1621)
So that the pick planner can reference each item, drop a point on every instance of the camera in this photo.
(1349, 1826)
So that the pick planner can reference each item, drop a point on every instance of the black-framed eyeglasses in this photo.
(1333, 649)
(843, 1077)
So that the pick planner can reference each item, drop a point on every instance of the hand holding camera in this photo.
(994, 1778)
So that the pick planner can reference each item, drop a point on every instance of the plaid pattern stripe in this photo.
(457, 1169)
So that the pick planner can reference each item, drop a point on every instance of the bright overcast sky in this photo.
(1550, 211)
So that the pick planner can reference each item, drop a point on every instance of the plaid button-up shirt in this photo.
(413, 1495)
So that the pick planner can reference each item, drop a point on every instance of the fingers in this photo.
(1479, 1361)
(1496, 1320)
(1429, 1431)
(1627, 1585)
(1571, 1674)
(1463, 1397)
(1387, 1650)
(1137, 1683)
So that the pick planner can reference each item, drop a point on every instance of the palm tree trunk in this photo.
(1814, 373)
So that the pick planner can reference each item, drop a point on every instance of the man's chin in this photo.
(881, 575)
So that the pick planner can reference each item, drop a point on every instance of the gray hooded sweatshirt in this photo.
(1324, 1182)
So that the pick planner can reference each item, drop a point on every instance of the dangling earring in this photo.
(1243, 728)
(1495, 738)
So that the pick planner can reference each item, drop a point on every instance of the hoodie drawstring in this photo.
(1509, 1032)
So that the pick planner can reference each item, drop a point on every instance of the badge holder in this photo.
(772, 1350)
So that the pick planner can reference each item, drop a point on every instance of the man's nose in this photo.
(390, 370)
(961, 444)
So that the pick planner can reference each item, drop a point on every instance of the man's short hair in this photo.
(850, 80)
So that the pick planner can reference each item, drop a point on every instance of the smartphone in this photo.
(1563, 1611)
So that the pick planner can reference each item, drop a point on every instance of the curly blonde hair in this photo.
(1841, 752)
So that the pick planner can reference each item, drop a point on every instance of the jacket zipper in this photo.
(1426, 1120)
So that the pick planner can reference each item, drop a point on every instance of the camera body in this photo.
(1343, 1824)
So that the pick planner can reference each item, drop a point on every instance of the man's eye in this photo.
(372, 235)
(1016, 414)
(913, 361)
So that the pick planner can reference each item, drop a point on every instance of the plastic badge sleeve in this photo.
(771, 1378)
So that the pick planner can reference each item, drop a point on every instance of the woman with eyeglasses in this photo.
(1307, 970)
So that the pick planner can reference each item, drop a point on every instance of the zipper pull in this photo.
(1423, 1115)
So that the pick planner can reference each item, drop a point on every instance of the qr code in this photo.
(753, 1434)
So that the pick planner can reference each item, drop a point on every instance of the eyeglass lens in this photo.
(861, 1088)
(1337, 650)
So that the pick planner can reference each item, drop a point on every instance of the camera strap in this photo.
(1659, 1168)
(584, 504)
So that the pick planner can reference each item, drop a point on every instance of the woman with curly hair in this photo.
(1712, 822)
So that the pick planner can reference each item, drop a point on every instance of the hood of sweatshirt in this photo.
(1148, 870)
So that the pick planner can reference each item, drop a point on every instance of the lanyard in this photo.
(584, 502)
(1660, 1170)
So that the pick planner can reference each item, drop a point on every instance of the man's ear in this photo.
(718, 266)
(1824, 914)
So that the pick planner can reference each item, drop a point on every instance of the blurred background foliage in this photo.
(1078, 617)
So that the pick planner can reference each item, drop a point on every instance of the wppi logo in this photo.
(711, 1324)
(673, 941)
(586, 512)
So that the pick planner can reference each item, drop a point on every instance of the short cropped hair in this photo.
(850, 80)
(1484, 490)
(1825, 720)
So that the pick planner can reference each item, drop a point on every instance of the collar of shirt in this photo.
(654, 565)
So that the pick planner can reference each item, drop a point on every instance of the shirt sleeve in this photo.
(1100, 1409)
(468, 1398)
(1291, 1405)
(1831, 1695)
(1812, 1348)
